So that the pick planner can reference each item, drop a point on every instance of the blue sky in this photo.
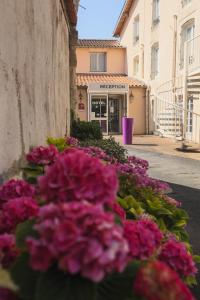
(99, 18)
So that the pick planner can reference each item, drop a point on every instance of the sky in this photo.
(99, 18)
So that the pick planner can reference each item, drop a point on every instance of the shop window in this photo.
(187, 34)
(136, 30)
(155, 12)
(185, 2)
(136, 66)
(154, 61)
(98, 62)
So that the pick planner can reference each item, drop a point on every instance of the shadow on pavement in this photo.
(190, 198)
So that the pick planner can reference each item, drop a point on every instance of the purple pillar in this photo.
(127, 125)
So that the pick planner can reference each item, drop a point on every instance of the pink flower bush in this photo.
(6, 294)
(75, 176)
(175, 254)
(157, 281)
(116, 208)
(72, 141)
(15, 188)
(42, 155)
(144, 238)
(17, 211)
(8, 251)
(138, 162)
(81, 237)
(172, 201)
(99, 153)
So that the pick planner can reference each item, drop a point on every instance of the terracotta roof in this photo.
(123, 16)
(94, 43)
(83, 79)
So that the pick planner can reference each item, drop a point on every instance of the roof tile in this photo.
(94, 43)
(83, 79)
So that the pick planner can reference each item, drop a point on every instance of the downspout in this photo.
(147, 110)
(174, 58)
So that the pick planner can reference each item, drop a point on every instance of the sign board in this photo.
(105, 87)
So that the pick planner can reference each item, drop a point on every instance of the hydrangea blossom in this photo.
(42, 155)
(16, 211)
(81, 238)
(118, 210)
(99, 153)
(15, 188)
(8, 251)
(75, 176)
(172, 201)
(175, 254)
(72, 141)
(6, 294)
(144, 238)
(157, 281)
(138, 162)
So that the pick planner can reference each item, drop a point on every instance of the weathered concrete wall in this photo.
(34, 77)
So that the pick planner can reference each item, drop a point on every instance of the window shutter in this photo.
(102, 62)
(93, 62)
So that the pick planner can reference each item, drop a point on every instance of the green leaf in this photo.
(58, 285)
(197, 258)
(119, 286)
(23, 231)
(60, 143)
(24, 277)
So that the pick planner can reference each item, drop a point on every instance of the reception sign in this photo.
(105, 87)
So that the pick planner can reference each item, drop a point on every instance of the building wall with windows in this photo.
(163, 28)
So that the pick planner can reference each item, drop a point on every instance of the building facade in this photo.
(105, 92)
(36, 60)
(163, 46)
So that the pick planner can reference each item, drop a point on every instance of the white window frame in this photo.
(136, 63)
(154, 61)
(136, 29)
(98, 68)
(184, 38)
(155, 12)
(185, 2)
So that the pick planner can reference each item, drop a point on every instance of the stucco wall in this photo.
(137, 110)
(34, 77)
(115, 59)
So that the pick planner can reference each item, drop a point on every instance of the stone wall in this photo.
(34, 77)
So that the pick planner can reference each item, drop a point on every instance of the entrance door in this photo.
(189, 131)
(99, 111)
(114, 115)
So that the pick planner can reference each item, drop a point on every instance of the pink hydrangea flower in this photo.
(175, 254)
(16, 211)
(6, 294)
(8, 251)
(42, 155)
(15, 188)
(118, 210)
(138, 162)
(99, 153)
(75, 176)
(72, 141)
(81, 238)
(157, 281)
(172, 201)
(144, 238)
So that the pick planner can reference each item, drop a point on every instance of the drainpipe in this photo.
(147, 102)
(174, 59)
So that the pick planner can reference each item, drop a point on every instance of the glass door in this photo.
(190, 106)
(114, 115)
(98, 111)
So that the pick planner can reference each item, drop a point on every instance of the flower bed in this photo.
(85, 225)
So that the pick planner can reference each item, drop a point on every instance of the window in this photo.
(154, 61)
(187, 33)
(98, 62)
(185, 2)
(136, 66)
(136, 30)
(156, 12)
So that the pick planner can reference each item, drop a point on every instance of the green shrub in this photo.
(110, 146)
(86, 130)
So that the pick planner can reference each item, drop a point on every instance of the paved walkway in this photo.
(182, 172)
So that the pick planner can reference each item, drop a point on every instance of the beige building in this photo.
(163, 49)
(105, 92)
(37, 40)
